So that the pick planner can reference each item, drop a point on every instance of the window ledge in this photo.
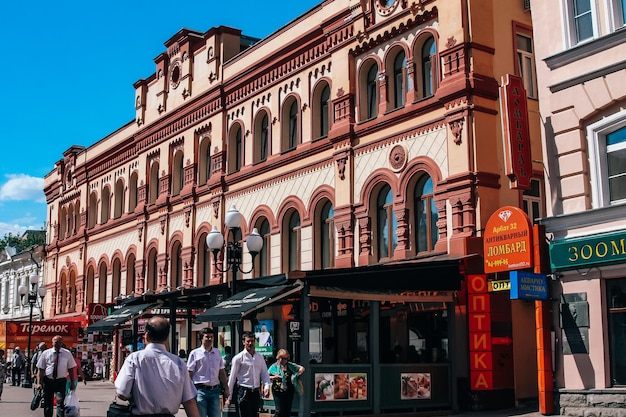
(586, 49)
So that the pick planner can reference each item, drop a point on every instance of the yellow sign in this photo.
(499, 286)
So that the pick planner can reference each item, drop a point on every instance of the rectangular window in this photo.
(533, 204)
(581, 18)
(617, 13)
(616, 289)
(607, 144)
(526, 64)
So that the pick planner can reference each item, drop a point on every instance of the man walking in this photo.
(33, 367)
(155, 381)
(249, 371)
(206, 369)
(17, 367)
(54, 365)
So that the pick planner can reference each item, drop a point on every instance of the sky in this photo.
(68, 74)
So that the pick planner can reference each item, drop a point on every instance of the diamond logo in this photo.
(505, 215)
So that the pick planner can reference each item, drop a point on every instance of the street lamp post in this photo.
(34, 297)
(234, 250)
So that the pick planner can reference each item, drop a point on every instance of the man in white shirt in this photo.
(206, 369)
(54, 365)
(249, 371)
(155, 381)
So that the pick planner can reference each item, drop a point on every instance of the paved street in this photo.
(96, 396)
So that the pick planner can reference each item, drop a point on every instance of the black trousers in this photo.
(50, 387)
(283, 401)
(248, 402)
(16, 376)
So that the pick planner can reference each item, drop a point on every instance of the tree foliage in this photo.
(29, 239)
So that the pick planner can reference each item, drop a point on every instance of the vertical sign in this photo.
(514, 109)
(479, 315)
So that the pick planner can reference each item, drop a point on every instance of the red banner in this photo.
(15, 333)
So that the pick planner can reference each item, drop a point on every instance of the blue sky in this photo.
(68, 74)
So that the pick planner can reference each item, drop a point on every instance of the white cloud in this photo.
(22, 187)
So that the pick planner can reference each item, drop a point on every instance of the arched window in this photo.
(204, 161)
(105, 204)
(152, 273)
(262, 261)
(130, 275)
(89, 286)
(72, 291)
(70, 221)
(92, 214)
(62, 294)
(321, 110)
(119, 199)
(291, 242)
(291, 124)
(426, 216)
(387, 225)
(153, 185)
(102, 283)
(429, 67)
(132, 192)
(178, 173)
(399, 64)
(262, 137)
(204, 262)
(117, 278)
(63, 224)
(235, 149)
(326, 243)
(176, 271)
(372, 92)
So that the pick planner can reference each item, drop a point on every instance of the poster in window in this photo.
(341, 387)
(264, 334)
(415, 386)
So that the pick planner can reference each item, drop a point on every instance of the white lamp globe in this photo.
(233, 218)
(254, 242)
(215, 240)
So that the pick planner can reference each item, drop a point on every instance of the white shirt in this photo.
(47, 358)
(156, 381)
(249, 371)
(205, 365)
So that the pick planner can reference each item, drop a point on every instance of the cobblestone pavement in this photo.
(96, 396)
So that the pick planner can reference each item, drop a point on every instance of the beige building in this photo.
(581, 70)
(364, 142)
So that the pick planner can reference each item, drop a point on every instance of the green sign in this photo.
(598, 249)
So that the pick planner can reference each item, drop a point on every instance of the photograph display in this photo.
(341, 387)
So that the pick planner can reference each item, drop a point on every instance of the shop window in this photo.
(526, 64)
(414, 333)
(617, 329)
(607, 144)
(426, 214)
(533, 201)
(387, 224)
(235, 149)
(321, 110)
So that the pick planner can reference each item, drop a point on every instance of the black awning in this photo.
(241, 304)
(119, 316)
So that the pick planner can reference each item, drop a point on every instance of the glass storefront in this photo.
(617, 329)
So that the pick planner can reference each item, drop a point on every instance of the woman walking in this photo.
(282, 373)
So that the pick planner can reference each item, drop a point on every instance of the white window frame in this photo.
(569, 24)
(596, 140)
(616, 14)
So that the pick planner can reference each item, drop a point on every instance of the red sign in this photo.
(97, 311)
(16, 333)
(479, 316)
(507, 241)
(518, 159)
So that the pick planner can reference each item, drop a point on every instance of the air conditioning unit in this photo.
(526, 4)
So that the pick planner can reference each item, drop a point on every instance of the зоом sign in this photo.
(600, 249)
(508, 241)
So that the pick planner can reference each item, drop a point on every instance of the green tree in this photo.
(29, 239)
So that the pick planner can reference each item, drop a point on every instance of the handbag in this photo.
(37, 397)
(118, 410)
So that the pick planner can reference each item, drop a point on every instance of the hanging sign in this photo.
(507, 241)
